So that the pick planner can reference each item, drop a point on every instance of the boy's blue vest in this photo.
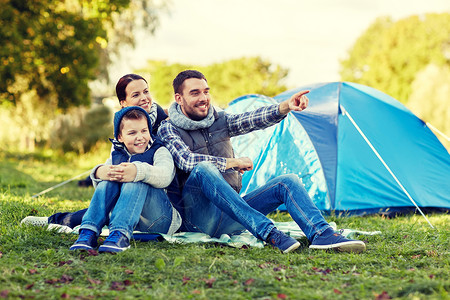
(120, 155)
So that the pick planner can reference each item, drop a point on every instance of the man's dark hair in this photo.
(182, 76)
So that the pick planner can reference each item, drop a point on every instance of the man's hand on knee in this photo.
(240, 164)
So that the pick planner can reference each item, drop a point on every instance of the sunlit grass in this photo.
(408, 260)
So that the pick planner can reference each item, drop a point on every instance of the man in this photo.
(208, 179)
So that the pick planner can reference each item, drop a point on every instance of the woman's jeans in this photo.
(133, 205)
(213, 207)
(71, 219)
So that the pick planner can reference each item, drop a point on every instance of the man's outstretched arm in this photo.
(266, 116)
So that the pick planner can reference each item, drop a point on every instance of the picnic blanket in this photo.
(244, 239)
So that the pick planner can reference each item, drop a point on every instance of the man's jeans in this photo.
(213, 207)
(133, 205)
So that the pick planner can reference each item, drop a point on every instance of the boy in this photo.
(123, 186)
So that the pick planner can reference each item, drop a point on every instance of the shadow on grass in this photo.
(13, 180)
(18, 183)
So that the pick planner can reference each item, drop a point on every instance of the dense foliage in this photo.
(430, 99)
(82, 129)
(51, 51)
(227, 80)
(55, 47)
(389, 54)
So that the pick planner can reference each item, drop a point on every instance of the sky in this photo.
(307, 37)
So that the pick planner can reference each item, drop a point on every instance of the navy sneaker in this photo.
(335, 241)
(86, 241)
(282, 241)
(115, 242)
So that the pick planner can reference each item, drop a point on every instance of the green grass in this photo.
(409, 260)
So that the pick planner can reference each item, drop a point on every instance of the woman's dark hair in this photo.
(123, 83)
(182, 76)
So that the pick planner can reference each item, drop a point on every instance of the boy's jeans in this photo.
(213, 207)
(133, 205)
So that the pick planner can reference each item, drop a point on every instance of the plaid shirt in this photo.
(237, 124)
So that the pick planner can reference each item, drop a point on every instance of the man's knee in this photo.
(204, 167)
(290, 179)
(202, 173)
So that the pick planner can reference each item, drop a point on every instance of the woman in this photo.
(131, 90)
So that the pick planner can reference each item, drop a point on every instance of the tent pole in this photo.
(383, 162)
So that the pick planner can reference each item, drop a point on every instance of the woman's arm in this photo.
(100, 172)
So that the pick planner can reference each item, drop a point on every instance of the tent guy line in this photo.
(60, 184)
(438, 131)
(347, 114)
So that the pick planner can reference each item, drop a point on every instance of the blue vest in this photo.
(120, 155)
(214, 141)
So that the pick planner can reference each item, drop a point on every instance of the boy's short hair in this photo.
(129, 113)
(133, 114)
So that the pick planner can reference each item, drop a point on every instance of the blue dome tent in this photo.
(356, 149)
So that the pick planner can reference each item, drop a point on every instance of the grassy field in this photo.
(409, 260)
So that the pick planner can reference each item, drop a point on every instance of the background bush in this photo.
(82, 129)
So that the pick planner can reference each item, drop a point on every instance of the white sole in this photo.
(80, 247)
(112, 249)
(292, 248)
(350, 246)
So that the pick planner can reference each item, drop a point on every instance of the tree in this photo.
(389, 54)
(48, 49)
(55, 46)
(52, 49)
(430, 99)
(228, 80)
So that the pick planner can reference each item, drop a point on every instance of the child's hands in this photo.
(125, 172)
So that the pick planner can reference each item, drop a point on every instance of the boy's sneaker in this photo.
(86, 241)
(115, 242)
(282, 241)
(335, 241)
(35, 221)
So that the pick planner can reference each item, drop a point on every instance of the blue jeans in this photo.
(71, 219)
(133, 205)
(211, 206)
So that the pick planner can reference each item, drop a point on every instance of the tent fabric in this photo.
(339, 169)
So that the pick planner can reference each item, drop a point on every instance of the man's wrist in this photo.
(231, 163)
(283, 108)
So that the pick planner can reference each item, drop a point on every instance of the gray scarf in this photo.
(153, 113)
(179, 119)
